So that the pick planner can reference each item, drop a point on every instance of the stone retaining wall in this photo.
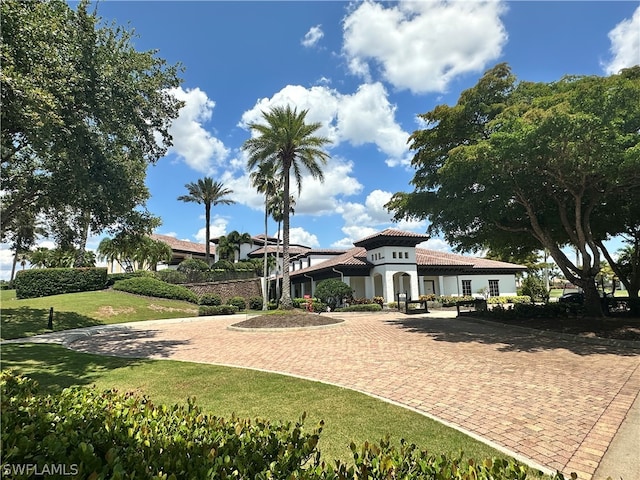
(230, 288)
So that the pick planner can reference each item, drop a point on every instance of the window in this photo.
(406, 254)
(394, 254)
(494, 290)
(466, 288)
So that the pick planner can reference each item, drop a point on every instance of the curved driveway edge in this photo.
(552, 402)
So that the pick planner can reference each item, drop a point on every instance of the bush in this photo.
(171, 276)
(56, 281)
(106, 434)
(239, 302)
(379, 300)
(332, 291)
(207, 310)
(152, 287)
(223, 265)
(363, 307)
(255, 303)
(193, 265)
(509, 299)
(114, 277)
(210, 299)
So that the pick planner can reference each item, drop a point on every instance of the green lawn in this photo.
(348, 415)
(27, 317)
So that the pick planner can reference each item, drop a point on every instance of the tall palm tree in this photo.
(206, 191)
(266, 180)
(291, 143)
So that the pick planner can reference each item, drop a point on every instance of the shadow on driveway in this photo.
(506, 339)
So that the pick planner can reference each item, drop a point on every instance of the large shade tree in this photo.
(83, 115)
(208, 193)
(285, 139)
(532, 165)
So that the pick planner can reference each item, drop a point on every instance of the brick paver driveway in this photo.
(552, 401)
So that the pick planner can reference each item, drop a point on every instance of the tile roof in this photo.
(182, 245)
(391, 236)
(355, 257)
(293, 250)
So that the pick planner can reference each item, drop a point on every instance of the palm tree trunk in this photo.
(207, 217)
(285, 300)
(278, 261)
(265, 292)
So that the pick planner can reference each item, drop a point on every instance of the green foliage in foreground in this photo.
(207, 310)
(112, 435)
(153, 287)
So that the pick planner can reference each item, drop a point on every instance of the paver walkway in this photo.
(554, 402)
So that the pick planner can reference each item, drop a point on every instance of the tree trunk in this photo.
(285, 300)
(265, 291)
(277, 261)
(207, 218)
(13, 266)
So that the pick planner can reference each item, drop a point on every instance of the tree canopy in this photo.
(522, 166)
(83, 115)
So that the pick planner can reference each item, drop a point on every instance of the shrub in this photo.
(363, 307)
(206, 310)
(223, 265)
(431, 297)
(379, 300)
(255, 303)
(106, 434)
(392, 304)
(171, 276)
(56, 281)
(114, 277)
(152, 287)
(509, 299)
(210, 299)
(193, 265)
(332, 291)
(239, 302)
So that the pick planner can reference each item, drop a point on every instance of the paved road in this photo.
(554, 402)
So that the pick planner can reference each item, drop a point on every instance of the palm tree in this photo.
(276, 209)
(150, 252)
(209, 193)
(289, 142)
(236, 239)
(265, 180)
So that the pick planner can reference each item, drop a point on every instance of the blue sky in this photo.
(364, 70)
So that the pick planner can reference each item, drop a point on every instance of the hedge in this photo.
(152, 287)
(55, 281)
(210, 299)
(237, 301)
(365, 307)
(106, 434)
(206, 310)
(509, 299)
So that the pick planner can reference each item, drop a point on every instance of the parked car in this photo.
(573, 297)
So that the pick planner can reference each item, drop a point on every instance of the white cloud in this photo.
(365, 116)
(217, 228)
(300, 236)
(196, 146)
(313, 36)
(6, 261)
(422, 46)
(435, 244)
(625, 44)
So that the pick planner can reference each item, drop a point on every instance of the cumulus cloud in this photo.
(435, 244)
(625, 44)
(300, 236)
(313, 36)
(191, 142)
(422, 46)
(217, 228)
(365, 116)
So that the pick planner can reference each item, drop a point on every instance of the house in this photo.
(182, 250)
(389, 262)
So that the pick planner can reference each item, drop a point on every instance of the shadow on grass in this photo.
(26, 322)
(506, 339)
(56, 368)
(127, 342)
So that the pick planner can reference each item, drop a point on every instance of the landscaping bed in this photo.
(288, 320)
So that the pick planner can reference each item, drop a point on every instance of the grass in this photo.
(348, 415)
(28, 317)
